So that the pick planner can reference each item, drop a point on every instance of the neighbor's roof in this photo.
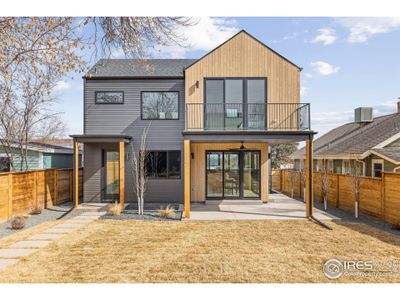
(139, 68)
(354, 138)
(45, 148)
(390, 152)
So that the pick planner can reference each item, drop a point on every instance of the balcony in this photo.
(247, 116)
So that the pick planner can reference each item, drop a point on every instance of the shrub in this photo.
(36, 211)
(116, 209)
(18, 222)
(166, 212)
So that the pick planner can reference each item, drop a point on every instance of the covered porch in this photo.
(198, 146)
(96, 166)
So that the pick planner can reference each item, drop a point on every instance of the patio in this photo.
(279, 207)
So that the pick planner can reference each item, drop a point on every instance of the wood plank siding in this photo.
(244, 56)
(198, 167)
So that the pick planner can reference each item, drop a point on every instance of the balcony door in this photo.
(235, 103)
(233, 174)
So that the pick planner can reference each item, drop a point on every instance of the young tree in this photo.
(356, 172)
(325, 182)
(280, 154)
(36, 52)
(292, 176)
(139, 160)
(303, 177)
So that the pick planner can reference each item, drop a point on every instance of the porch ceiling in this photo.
(101, 138)
(270, 137)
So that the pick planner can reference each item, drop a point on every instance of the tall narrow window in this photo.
(377, 168)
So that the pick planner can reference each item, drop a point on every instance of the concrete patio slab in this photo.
(5, 262)
(46, 236)
(15, 253)
(30, 244)
(86, 218)
(93, 206)
(94, 213)
(279, 207)
(78, 221)
(70, 225)
(59, 230)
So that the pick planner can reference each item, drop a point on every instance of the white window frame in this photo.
(377, 161)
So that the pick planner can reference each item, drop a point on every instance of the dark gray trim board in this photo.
(101, 138)
(248, 136)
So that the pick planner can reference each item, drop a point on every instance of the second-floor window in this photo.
(113, 97)
(160, 105)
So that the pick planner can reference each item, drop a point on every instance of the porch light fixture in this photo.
(197, 84)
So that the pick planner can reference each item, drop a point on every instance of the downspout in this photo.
(356, 203)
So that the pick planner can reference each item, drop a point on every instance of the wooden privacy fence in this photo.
(379, 197)
(21, 192)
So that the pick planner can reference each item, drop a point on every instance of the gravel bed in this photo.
(150, 213)
(61, 211)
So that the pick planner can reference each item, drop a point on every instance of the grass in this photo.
(217, 251)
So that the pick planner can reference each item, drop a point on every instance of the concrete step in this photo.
(234, 202)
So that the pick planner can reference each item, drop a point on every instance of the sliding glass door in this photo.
(233, 174)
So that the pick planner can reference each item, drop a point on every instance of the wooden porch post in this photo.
(122, 173)
(76, 173)
(309, 178)
(186, 162)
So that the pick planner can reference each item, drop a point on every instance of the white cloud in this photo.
(325, 121)
(308, 75)
(362, 29)
(304, 90)
(326, 36)
(323, 68)
(62, 85)
(207, 34)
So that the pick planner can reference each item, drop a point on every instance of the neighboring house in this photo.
(372, 144)
(39, 156)
(212, 122)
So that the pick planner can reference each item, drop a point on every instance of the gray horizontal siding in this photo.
(125, 119)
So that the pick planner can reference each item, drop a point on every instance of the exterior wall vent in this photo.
(363, 114)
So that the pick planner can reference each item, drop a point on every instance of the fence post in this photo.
(337, 190)
(383, 197)
(55, 187)
(35, 190)
(10, 195)
(71, 175)
(280, 180)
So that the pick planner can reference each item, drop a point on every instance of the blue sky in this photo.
(347, 62)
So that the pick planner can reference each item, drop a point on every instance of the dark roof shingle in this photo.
(139, 68)
(355, 138)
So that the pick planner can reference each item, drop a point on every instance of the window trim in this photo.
(167, 177)
(244, 95)
(96, 102)
(153, 119)
(377, 161)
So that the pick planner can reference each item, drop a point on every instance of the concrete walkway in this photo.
(16, 251)
(279, 207)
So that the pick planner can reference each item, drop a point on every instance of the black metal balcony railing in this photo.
(248, 116)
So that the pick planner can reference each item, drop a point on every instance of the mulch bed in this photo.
(150, 213)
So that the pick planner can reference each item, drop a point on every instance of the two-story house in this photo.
(212, 121)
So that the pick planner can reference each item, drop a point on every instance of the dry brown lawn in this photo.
(223, 251)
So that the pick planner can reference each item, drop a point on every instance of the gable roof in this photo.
(355, 138)
(136, 68)
(155, 68)
(257, 40)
